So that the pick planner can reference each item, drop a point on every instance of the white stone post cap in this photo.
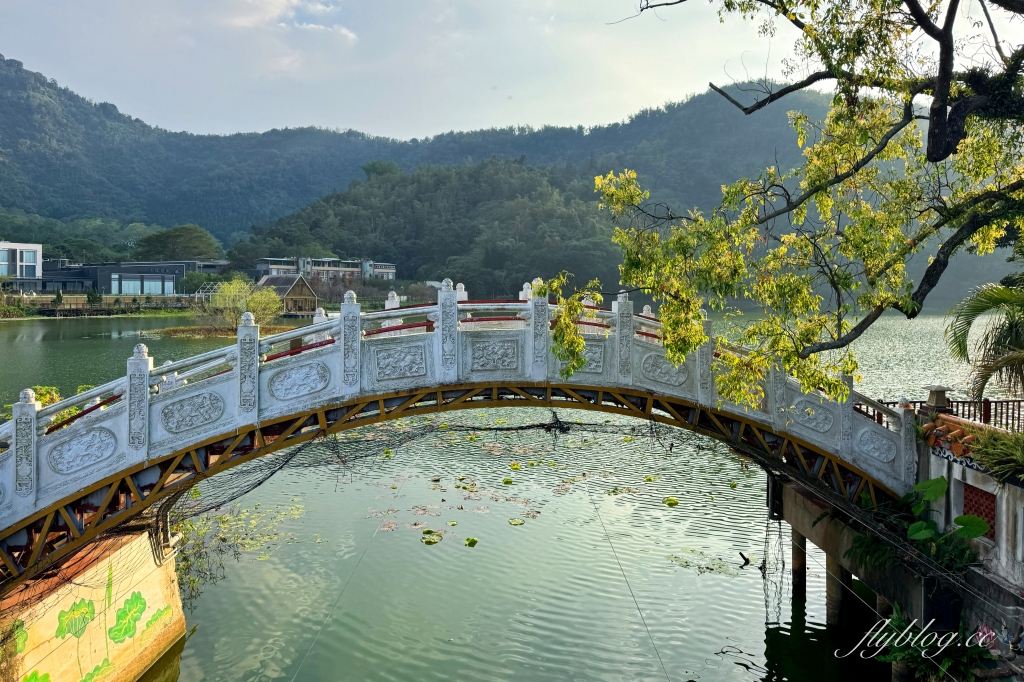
(28, 396)
(140, 352)
(248, 320)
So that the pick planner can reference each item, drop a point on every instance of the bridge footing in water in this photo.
(111, 612)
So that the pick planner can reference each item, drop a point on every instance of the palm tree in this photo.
(999, 352)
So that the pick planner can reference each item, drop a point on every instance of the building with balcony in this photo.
(349, 270)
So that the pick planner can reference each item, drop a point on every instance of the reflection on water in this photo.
(545, 600)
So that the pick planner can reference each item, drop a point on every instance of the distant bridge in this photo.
(154, 432)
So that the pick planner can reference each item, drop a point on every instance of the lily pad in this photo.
(430, 539)
(453, 522)
(515, 466)
(470, 542)
(516, 522)
(507, 481)
(651, 479)
(670, 501)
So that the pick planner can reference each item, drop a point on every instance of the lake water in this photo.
(601, 581)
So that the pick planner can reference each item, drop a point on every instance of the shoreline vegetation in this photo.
(29, 314)
(210, 332)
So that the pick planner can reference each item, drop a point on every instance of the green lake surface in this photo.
(602, 581)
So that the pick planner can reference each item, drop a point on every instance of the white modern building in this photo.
(23, 261)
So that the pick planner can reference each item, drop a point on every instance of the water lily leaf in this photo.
(453, 522)
(470, 542)
(507, 481)
(74, 620)
(932, 489)
(532, 463)
(516, 522)
(922, 530)
(732, 485)
(100, 671)
(514, 466)
(971, 526)
(430, 539)
(127, 617)
(670, 501)
(628, 439)
(651, 478)
(427, 531)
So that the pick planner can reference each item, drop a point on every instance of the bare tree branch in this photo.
(793, 204)
(992, 27)
(778, 94)
(847, 338)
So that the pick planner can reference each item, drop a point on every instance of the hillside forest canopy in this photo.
(823, 249)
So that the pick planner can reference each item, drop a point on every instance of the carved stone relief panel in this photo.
(489, 356)
(877, 446)
(594, 354)
(350, 334)
(813, 415)
(137, 393)
(656, 368)
(191, 412)
(24, 457)
(400, 362)
(540, 331)
(449, 330)
(625, 332)
(247, 374)
(78, 452)
(295, 382)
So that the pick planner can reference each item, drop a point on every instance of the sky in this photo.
(400, 68)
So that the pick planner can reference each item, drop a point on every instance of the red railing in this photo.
(79, 415)
(492, 319)
(295, 351)
(1004, 414)
(398, 327)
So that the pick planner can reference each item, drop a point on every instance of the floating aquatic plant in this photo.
(514, 466)
(507, 481)
(453, 522)
(670, 501)
(470, 542)
(651, 478)
(622, 491)
(516, 522)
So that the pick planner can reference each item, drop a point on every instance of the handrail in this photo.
(75, 417)
(881, 407)
(296, 351)
(492, 319)
(199, 370)
(267, 342)
(83, 397)
(420, 309)
(399, 327)
(194, 360)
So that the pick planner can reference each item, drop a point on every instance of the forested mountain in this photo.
(62, 156)
(491, 225)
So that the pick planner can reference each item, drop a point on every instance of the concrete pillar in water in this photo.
(799, 564)
(837, 582)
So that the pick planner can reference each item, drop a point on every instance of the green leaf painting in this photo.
(127, 617)
(20, 635)
(157, 616)
(74, 620)
(100, 671)
(34, 676)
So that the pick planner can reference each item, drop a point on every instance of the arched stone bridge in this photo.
(66, 476)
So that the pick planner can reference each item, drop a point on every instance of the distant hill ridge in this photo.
(63, 156)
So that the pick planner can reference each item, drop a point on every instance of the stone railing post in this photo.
(392, 303)
(776, 394)
(460, 292)
(351, 344)
(622, 309)
(847, 416)
(319, 317)
(248, 371)
(447, 334)
(540, 339)
(23, 413)
(706, 393)
(137, 398)
(908, 443)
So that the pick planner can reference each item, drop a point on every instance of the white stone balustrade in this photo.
(214, 394)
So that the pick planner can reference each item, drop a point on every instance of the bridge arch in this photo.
(144, 438)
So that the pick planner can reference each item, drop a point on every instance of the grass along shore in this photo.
(211, 332)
